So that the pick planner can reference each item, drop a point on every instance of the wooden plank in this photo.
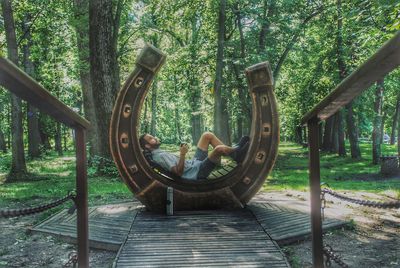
(286, 225)
(22, 85)
(200, 239)
(109, 225)
(386, 59)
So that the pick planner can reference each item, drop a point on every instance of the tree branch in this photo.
(291, 43)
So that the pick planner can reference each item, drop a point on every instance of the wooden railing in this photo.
(381, 63)
(23, 86)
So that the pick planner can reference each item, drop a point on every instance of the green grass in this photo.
(340, 173)
(52, 177)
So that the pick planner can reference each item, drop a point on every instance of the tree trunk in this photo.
(65, 137)
(194, 88)
(153, 127)
(342, 74)
(103, 30)
(18, 166)
(244, 116)
(352, 130)
(81, 12)
(328, 134)
(3, 146)
(44, 137)
(341, 143)
(298, 137)
(268, 12)
(9, 124)
(335, 134)
(34, 140)
(178, 132)
(3, 117)
(221, 125)
(383, 126)
(376, 133)
(58, 139)
(395, 121)
(398, 138)
(32, 112)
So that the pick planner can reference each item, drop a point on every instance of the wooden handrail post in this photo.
(82, 198)
(315, 190)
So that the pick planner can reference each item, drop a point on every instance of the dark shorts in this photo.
(206, 165)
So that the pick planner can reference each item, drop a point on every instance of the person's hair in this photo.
(143, 141)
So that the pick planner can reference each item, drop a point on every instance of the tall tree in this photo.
(244, 116)
(153, 125)
(81, 24)
(267, 13)
(377, 131)
(194, 93)
(221, 126)
(103, 39)
(328, 134)
(395, 121)
(18, 166)
(32, 112)
(351, 128)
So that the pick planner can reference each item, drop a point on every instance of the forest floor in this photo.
(371, 240)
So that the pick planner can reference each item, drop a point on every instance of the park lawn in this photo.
(54, 176)
(340, 173)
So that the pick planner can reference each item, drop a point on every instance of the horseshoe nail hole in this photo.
(133, 168)
(127, 110)
(246, 180)
(124, 140)
(266, 129)
(260, 157)
(139, 81)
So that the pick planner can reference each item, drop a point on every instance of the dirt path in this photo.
(372, 241)
(20, 248)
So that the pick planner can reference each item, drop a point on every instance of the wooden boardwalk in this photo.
(108, 225)
(199, 239)
(241, 238)
(286, 225)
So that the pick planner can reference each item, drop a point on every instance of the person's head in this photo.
(148, 142)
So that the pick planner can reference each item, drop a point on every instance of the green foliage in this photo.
(101, 165)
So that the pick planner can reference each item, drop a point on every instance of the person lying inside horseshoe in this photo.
(202, 163)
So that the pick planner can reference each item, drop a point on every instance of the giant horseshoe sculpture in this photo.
(234, 189)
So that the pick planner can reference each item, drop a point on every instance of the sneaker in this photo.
(240, 153)
(243, 140)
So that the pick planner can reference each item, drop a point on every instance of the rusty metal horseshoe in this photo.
(232, 190)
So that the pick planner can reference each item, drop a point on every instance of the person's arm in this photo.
(178, 169)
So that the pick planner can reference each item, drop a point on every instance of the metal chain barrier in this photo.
(72, 260)
(29, 211)
(330, 255)
(327, 250)
(393, 204)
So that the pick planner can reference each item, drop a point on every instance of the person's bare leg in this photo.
(208, 138)
(219, 150)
